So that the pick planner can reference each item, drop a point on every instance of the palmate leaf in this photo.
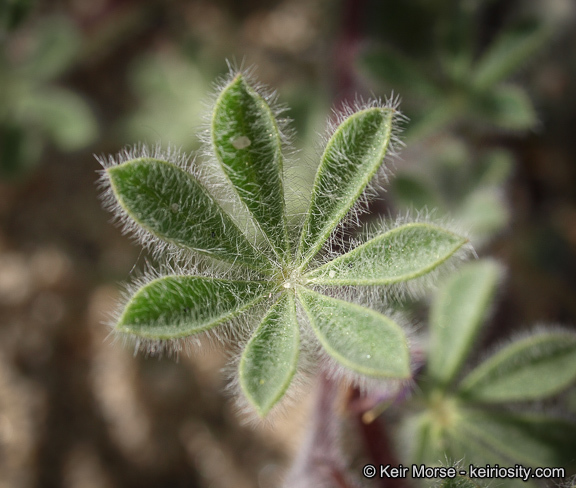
(359, 338)
(172, 205)
(353, 155)
(168, 200)
(437, 440)
(535, 367)
(247, 143)
(269, 361)
(178, 306)
(398, 255)
(457, 314)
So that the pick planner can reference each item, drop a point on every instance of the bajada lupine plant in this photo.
(238, 254)
(486, 414)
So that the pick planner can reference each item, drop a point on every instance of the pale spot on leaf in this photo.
(241, 142)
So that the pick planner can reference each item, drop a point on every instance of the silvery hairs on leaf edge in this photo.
(314, 358)
(375, 185)
(161, 249)
(202, 174)
(314, 354)
(302, 381)
(231, 331)
(158, 247)
(372, 295)
(490, 353)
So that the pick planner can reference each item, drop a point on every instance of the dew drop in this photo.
(241, 142)
(332, 273)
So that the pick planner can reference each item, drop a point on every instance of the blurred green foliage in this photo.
(170, 89)
(488, 415)
(453, 68)
(449, 78)
(34, 108)
(457, 95)
(455, 182)
(12, 13)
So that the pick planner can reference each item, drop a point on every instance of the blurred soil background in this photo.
(77, 78)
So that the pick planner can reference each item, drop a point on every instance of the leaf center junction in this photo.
(292, 278)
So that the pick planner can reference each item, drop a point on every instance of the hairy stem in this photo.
(320, 461)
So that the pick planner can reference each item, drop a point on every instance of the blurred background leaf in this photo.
(35, 110)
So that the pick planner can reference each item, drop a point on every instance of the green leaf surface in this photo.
(513, 48)
(352, 157)
(359, 338)
(528, 439)
(401, 254)
(458, 311)
(178, 306)
(269, 361)
(532, 368)
(248, 146)
(507, 107)
(171, 204)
